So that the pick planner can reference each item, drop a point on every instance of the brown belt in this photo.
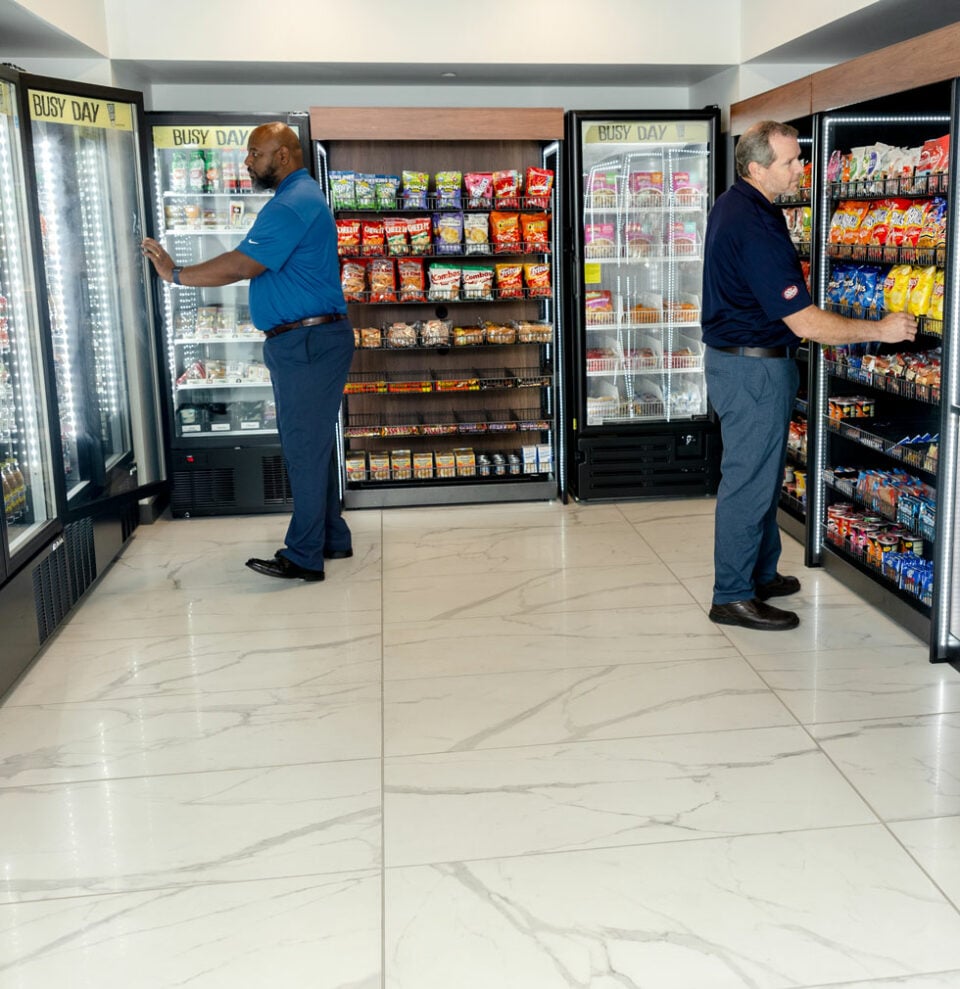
(756, 351)
(332, 317)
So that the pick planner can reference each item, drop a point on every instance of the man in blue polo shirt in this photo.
(756, 309)
(290, 257)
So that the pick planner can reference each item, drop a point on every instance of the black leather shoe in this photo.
(337, 554)
(779, 587)
(280, 566)
(753, 614)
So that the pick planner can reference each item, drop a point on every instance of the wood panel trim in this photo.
(787, 102)
(929, 58)
(436, 123)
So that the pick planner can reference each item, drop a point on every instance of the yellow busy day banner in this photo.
(79, 111)
(646, 132)
(208, 138)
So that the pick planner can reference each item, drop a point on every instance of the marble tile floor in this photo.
(502, 747)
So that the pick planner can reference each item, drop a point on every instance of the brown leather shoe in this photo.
(280, 566)
(779, 587)
(753, 614)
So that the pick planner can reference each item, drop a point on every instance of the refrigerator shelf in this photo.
(925, 324)
(848, 488)
(234, 194)
(219, 338)
(495, 295)
(446, 423)
(208, 384)
(906, 186)
(632, 258)
(883, 254)
(434, 204)
(921, 456)
(206, 232)
(920, 594)
(515, 250)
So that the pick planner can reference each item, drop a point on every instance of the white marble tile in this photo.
(657, 511)
(877, 682)
(470, 805)
(72, 670)
(451, 714)
(489, 595)
(935, 844)
(290, 932)
(766, 912)
(432, 551)
(941, 980)
(905, 768)
(157, 735)
(680, 539)
(825, 623)
(519, 515)
(149, 832)
(553, 640)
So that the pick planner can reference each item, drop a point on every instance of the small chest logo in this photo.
(790, 292)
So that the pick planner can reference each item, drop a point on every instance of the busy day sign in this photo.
(207, 138)
(79, 111)
(647, 132)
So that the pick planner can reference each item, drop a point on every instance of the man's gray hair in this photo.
(754, 144)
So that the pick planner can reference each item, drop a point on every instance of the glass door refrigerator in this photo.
(29, 524)
(225, 451)
(86, 170)
(640, 185)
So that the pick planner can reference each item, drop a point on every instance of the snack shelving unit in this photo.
(454, 394)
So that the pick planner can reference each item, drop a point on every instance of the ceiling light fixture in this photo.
(448, 75)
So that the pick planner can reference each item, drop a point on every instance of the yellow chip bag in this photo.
(922, 291)
(936, 299)
(896, 287)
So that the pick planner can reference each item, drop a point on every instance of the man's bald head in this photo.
(273, 152)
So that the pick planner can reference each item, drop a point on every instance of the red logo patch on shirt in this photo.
(790, 292)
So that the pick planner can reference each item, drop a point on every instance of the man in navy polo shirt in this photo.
(756, 309)
(290, 257)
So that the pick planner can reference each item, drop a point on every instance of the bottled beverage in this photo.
(7, 481)
(197, 172)
(246, 183)
(19, 484)
(231, 178)
(178, 172)
(214, 177)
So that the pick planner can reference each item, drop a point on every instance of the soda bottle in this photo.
(178, 172)
(214, 179)
(7, 481)
(197, 172)
(19, 485)
(246, 183)
(230, 175)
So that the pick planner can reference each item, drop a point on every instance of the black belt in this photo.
(309, 321)
(756, 351)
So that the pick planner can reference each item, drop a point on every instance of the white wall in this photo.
(766, 25)
(84, 20)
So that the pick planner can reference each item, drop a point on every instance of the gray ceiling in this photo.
(23, 35)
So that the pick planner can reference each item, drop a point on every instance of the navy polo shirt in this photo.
(751, 274)
(295, 238)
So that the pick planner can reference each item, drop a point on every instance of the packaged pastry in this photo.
(444, 283)
(435, 333)
(372, 238)
(539, 185)
(382, 274)
(412, 280)
(401, 465)
(414, 189)
(401, 335)
(207, 319)
(509, 281)
(598, 240)
(479, 186)
(387, 188)
(423, 465)
(448, 232)
(395, 234)
(476, 233)
(370, 337)
(468, 336)
(500, 333)
(534, 332)
(353, 280)
(365, 190)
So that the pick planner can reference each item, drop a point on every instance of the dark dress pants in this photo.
(753, 397)
(308, 367)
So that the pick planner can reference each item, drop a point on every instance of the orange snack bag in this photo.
(505, 232)
(348, 237)
(537, 277)
(536, 232)
(509, 281)
(855, 213)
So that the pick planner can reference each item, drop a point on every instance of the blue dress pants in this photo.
(308, 367)
(753, 397)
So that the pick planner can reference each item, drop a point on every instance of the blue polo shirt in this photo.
(751, 274)
(295, 238)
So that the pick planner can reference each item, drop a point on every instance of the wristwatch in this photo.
(175, 276)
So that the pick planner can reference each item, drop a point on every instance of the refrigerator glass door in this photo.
(646, 189)
(25, 461)
(86, 155)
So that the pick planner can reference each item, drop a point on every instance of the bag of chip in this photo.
(896, 287)
(506, 188)
(535, 232)
(343, 190)
(395, 232)
(373, 238)
(476, 233)
(855, 212)
(477, 283)
(479, 186)
(922, 291)
(366, 191)
(836, 283)
(386, 190)
(414, 189)
(419, 229)
(448, 232)
(874, 223)
(936, 299)
(934, 229)
(913, 218)
(537, 277)
(448, 190)
(505, 232)
(353, 280)
(444, 283)
(509, 281)
(539, 185)
(413, 280)
(348, 237)
(382, 275)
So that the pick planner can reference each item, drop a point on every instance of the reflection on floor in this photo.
(501, 747)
